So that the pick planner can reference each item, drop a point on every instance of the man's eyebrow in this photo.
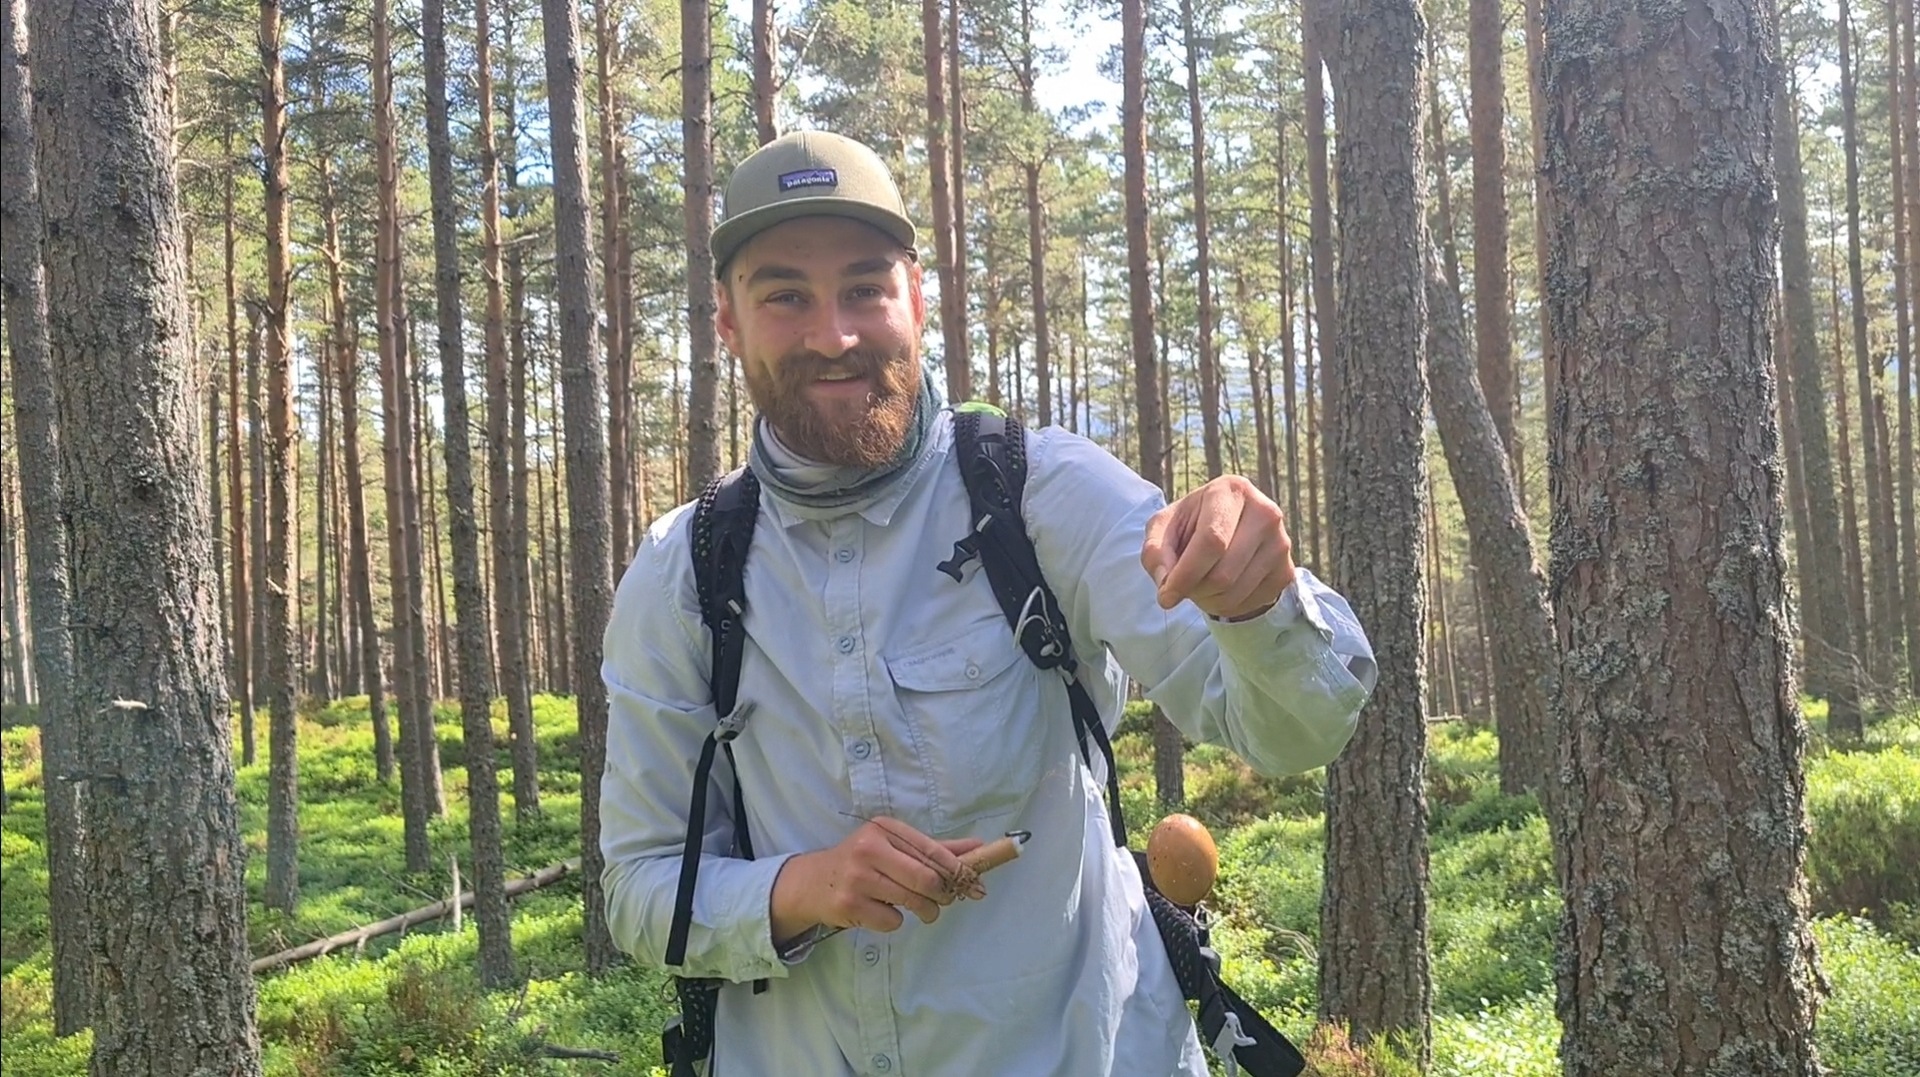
(868, 267)
(774, 272)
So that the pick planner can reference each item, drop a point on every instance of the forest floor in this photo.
(409, 1004)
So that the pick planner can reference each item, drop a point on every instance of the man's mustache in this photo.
(802, 367)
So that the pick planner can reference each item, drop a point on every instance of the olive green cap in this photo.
(802, 174)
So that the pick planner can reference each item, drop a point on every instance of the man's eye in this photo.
(867, 291)
(784, 297)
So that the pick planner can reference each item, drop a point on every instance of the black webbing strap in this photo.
(992, 448)
(722, 533)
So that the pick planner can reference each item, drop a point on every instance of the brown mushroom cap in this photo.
(1182, 859)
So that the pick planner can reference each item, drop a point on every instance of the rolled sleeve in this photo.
(1282, 690)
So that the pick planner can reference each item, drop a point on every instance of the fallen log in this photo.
(358, 936)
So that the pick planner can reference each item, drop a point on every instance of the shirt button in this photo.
(862, 749)
(973, 672)
(871, 955)
(844, 555)
(882, 1063)
(845, 643)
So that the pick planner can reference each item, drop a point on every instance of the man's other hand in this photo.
(865, 880)
(1223, 546)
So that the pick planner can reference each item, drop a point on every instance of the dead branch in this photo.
(359, 935)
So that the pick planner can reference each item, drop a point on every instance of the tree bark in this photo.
(163, 849)
(1036, 234)
(283, 783)
(347, 385)
(1319, 198)
(1492, 293)
(939, 172)
(1169, 769)
(476, 682)
(1907, 540)
(1209, 362)
(261, 688)
(1535, 33)
(509, 602)
(764, 87)
(1853, 580)
(1374, 975)
(1826, 605)
(242, 631)
(960, 347)
(1803, 565)
(615, 331)
(582, 376)
(1525, 666)
(696, 115)
(416, 804)
(38, 437)
(1850, 138)
(1680, 830)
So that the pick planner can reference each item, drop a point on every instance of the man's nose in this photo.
(831, 333)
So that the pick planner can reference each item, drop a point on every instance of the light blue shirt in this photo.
(880, 686)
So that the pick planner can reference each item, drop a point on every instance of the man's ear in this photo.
(723, 316)
(916, 289)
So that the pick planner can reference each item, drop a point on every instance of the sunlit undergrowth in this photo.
(408, 1003)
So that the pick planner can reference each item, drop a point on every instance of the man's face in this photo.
(825, 314)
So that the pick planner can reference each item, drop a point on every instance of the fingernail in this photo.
(1159, 575)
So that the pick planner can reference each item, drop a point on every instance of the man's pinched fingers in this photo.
(1215, 519)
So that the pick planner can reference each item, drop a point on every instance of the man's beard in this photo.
(850, 433)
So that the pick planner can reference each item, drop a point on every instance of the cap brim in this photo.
(735, 231)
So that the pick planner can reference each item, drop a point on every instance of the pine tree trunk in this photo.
(696, 115)
(1826, 605)
(1535, 34)
(1524, 662)
(163, 846)
(1169, 758)
(1440, 166)
(939, 171)
(1796, 493)
(1899, 149)
(347, 385)
(1209, 362)
(583, 375)
(442, 630)
(1263, 414)
(961, 347)
(1907, 541)
(262, 687)
(764, 88)
(1374, 973)
(1668, 577)
(1492, 295)
(242, 633)
(283, 761)
(1850, 137)
(37, 440)
(321, 683)
(416, 805)
(1289, 359)
(506, 521)
(615, 330)
(1853, 581)
(476, 683)
(1310, 392)
(1319, 198)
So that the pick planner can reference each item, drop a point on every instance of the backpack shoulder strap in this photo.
(723, 522)
(991, 447)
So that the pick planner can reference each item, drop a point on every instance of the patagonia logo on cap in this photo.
(810, 177)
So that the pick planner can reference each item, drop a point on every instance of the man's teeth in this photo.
(846, 376)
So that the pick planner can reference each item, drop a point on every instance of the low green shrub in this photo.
(1865, 840)
(1870, 1024)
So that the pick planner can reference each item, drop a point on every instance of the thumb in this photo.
(1160, 552)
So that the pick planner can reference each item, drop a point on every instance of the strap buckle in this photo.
(731, 726)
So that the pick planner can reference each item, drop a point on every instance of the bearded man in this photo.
(896, 723)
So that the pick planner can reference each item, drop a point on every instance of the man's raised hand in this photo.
(1224, 547)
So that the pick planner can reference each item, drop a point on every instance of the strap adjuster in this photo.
(731, 726)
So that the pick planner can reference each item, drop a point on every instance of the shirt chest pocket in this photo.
(971, 706)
